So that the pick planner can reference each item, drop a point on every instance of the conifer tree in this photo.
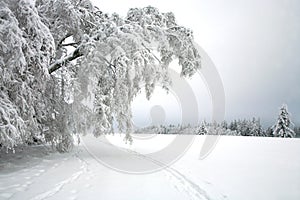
(282, 127)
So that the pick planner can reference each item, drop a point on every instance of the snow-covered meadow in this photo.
(68, 68)
(238, 168)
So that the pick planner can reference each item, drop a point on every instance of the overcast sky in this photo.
(254, 44)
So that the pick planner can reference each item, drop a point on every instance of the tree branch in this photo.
(58, 64)
(70, 44)
(63, 39)
(151, 53)
(76, 54)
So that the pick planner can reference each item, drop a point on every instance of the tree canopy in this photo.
(68, 68)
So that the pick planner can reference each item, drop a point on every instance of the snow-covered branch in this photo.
(62, 62)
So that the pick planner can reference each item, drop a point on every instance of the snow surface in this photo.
(238, 168)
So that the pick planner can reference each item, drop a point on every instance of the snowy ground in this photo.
(238, 168)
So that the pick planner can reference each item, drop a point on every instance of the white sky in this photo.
(255, 45)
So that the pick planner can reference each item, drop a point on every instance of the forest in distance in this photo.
(241, 127)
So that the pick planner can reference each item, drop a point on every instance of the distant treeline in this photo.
(240, 127)
(282, 128)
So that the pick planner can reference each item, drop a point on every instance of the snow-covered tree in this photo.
(282, 127)
(224, 124)
(202, 129)
(255, 128)
(26, 48)
(233, 125)
(297, 131)
(67, 67)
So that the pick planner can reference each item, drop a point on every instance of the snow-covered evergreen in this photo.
(202, 129)
(282, 127)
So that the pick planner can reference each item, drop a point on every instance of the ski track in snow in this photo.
(179, 181)
(24, 181)
(29, 175)
(59, 186)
